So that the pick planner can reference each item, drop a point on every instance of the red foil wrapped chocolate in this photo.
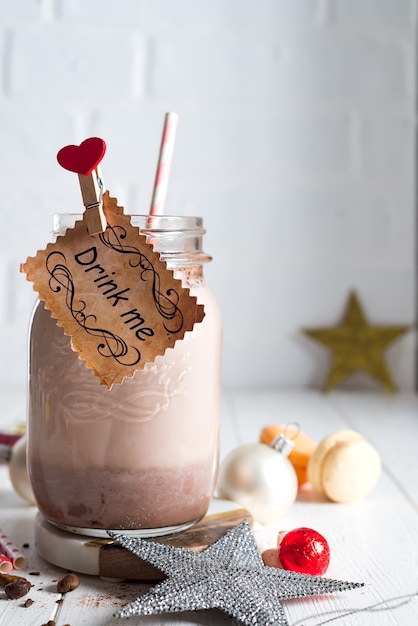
(305, 551)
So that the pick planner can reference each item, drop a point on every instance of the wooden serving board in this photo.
(106, 558)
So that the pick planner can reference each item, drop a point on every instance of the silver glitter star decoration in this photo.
(228, 575)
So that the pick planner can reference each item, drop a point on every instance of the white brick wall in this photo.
(296, 144)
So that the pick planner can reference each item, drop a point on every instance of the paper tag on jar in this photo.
(113, 295)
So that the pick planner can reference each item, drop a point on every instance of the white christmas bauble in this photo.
(18, 471)
(259, 478)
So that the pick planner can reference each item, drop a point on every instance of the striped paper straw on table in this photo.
(164, 164)
(6, 565)
(12, 552)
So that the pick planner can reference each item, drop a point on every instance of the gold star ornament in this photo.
(357, 345)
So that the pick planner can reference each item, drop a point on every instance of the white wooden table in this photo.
(374, 541)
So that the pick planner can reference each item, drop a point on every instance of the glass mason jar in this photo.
(143, 456)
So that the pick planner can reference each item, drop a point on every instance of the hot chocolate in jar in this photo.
(140, 455)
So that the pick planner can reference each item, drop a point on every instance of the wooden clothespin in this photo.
(84, 160)
(92, 190)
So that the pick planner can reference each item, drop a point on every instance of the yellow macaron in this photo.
(344, 467)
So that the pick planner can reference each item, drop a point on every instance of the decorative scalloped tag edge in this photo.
(113, 295)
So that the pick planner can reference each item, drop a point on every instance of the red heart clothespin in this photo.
(84, 160)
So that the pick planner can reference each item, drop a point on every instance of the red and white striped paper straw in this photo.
(12, 552)
(164, 164)
(6, 565)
